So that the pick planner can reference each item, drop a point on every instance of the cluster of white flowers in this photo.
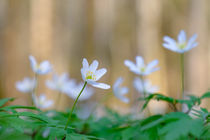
(62, 83)
(90, 75)
(28, 85)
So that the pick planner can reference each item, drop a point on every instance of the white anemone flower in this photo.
(140, 68)
(60, 83)
(75, 90)
(26, 86)
(42, 68)
(146, 86)
(91, 75)
(119, 91)
(42, 102)
(182, 45)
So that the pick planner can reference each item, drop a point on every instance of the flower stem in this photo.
(145, 93)
(182, 74)
(142, 84)
(35, 89)
(74, 105)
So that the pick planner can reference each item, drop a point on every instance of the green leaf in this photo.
(206, 95)
(182, 128)
(165, 119)
(5, 100)
(158, 97)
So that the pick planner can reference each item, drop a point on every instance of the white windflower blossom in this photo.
(140, 68)
(26, 86)
(91, 75)
(85, 110)
(182, 45)
(42, 68)
(42, 102)
(75, 90)
(60, 83)
(145, 87)
(119, 91)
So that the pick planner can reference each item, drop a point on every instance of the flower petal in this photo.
(137, 83)
(99, 73)
(124, 90)
(45, 67)
(117, 83)
(94, 66)
(132, 66)
(182, 37)
(33, 62)
(85, 63)
(99, 85)
(139, 61)
(191, 43)
(83, 73)
(150, 67)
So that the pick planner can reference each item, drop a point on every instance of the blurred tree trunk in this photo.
(149, 15)
(41, 39)
(122, 44)
(14, 38)
(197, 59)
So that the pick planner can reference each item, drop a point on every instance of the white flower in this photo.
(41, 101)
(140, 68)
(85, 110)
(86, 94)
(182, 45)
(42, 68)
(60, 83)
(146, 86)
(119, 92)
(91, 75)
(26, 86)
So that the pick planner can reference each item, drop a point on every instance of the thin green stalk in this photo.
(74, 106)
(144, 93)
(142, 82)
(35, 88)
(182, 75)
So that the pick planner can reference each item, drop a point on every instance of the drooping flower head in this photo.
(119, 91)
(42, 102)
(42, 68)
(140, 67)
(75, 90)
(182, 45)
(90, 74)
(26, 86)
(146, 86)
(60, 83)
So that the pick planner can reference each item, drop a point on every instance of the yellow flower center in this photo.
(142, 69)
(90, 75)
(181, 46)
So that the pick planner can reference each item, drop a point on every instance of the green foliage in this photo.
(29, 123)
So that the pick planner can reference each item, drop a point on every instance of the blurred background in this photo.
(66, 31)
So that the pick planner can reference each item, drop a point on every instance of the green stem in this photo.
(74, 105)
(142, 82)
(144, 92)
(35, 88)
(182, 74)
